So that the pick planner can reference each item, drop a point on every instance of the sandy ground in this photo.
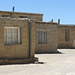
(49, 64)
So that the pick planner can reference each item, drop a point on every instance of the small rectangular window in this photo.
(42, 37)
(23, 16)
(67, 35)
(5, 15)
(11, 35)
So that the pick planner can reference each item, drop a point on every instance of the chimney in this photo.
(58, 21)
(13, 11)
(52, 20)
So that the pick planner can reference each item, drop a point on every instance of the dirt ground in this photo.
(49, 64)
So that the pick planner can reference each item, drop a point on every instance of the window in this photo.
(42, 37)
(5, 16)
(11, 35)
(23, 16)
(67, 35)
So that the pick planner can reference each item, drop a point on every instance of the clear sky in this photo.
(52, 9)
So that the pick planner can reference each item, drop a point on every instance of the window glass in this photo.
(42, 37)
(11, 35)
(67, 35)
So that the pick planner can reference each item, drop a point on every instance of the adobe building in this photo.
(46, 37)
(66, 36)
(23, 35)
(15, 41)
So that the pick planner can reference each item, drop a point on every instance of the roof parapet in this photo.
(21, 13)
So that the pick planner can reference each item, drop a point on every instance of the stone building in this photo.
(23, 34)
(46, 37)
(14, 41)
(66, 36)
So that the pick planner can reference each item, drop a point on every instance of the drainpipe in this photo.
(30, 38)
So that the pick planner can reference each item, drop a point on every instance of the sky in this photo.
(52, 9)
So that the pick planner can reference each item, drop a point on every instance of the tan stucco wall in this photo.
(61, 37)
(51, 45)
(17, 50)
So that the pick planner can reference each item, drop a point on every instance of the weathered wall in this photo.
(61, 36)
(17, 50)
(37, 17)
(51, 45)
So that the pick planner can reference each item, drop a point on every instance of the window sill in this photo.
(42, 43)
(13, 44)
